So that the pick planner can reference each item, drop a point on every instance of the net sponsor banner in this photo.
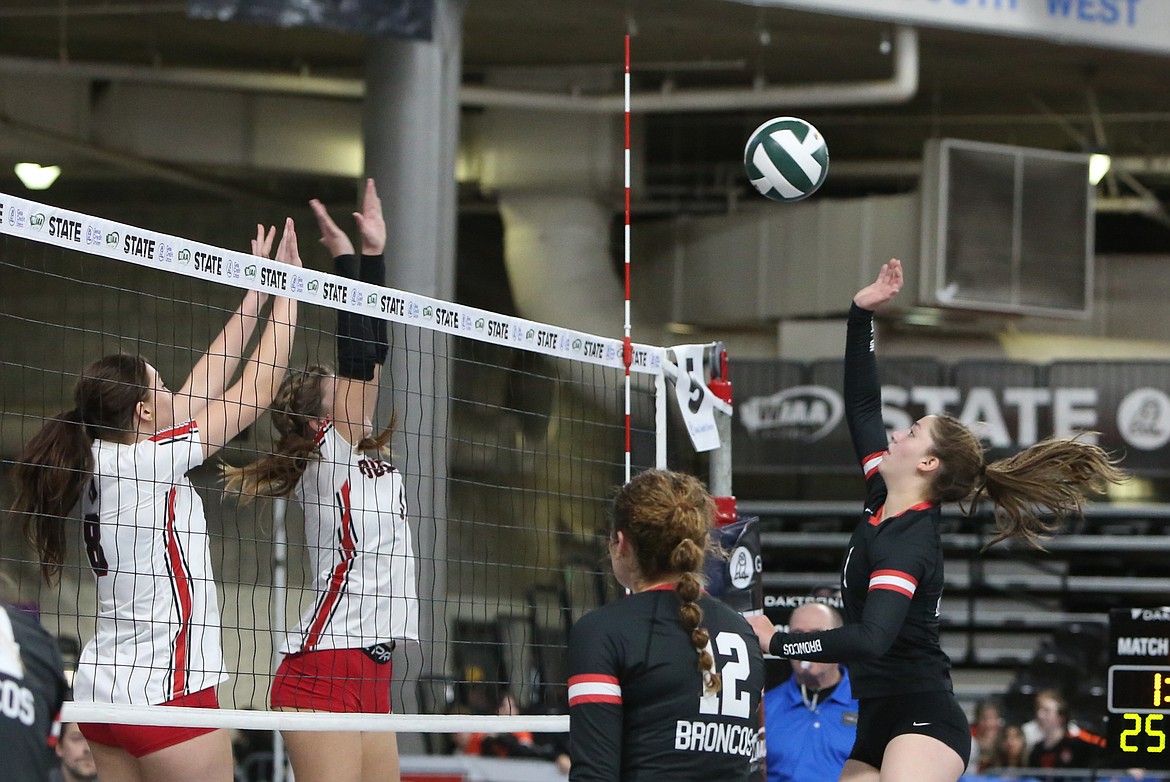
(791, 416)
(403, 18)
(1139, 25)
(121, 242)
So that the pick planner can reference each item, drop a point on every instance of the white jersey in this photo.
(146, 538)
(360, 551)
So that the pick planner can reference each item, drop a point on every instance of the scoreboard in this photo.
(1139, 687)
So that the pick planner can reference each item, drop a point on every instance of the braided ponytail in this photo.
(667, 516)
(689, 558)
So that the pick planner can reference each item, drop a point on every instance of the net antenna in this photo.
(627, 345)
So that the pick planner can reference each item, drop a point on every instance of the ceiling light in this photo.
(1098, 167)
(34, 176)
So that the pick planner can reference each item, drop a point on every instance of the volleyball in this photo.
(786, 159)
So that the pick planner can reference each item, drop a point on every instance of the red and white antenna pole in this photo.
(627, 345)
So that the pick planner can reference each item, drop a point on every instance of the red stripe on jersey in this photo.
(894, 581)
(347, 551)
(869, 464)
(320, 436)
(594, 688)
(877, 519)
(577, 700)
(181, 584)
(668, 588)
(175, 431)
(592, 678)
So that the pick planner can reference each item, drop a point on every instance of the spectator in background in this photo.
(984, 734)
(76, 759)
(520, 744)
(1060, 745)
(811, 719)
(1010, 749)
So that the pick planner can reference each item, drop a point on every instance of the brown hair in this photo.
(300, 400)
(55, 465)
(667, 517)
(999, 757)
(1055, 474)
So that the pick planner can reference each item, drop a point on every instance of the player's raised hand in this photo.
(883, 289)
(262, 244)
(286, 251)
(334, 239)
(370, 221)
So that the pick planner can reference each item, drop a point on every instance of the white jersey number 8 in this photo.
(732, 700)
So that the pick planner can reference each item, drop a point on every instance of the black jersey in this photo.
(32, 688)
(892, 577)
(637, 712)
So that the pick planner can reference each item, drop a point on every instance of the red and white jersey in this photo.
(158, 634)
(360, 551)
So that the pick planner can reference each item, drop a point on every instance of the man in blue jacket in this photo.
(811, 719)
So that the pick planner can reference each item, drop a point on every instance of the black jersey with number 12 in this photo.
(636, 702)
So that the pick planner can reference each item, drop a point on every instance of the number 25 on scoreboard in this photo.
(1151, 733)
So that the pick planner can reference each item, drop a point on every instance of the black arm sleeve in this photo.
(357, 348)
(863, 391)
(374, 271)
(595, 727)
(865, 640)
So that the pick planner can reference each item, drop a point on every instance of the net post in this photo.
(720, 462)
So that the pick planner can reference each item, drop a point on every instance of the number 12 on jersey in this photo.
(733, 699)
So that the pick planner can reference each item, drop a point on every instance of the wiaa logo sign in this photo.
(804, 413)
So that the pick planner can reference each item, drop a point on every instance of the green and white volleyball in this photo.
(786, 159)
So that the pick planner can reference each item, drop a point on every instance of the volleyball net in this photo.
(510, 440)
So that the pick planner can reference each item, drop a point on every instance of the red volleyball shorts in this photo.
(141, 740)
(337, 680)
